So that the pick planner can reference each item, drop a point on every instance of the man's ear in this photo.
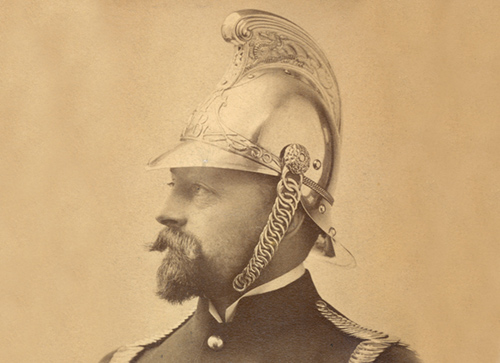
(296, 222)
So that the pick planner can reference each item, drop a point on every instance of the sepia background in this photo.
(91, 90)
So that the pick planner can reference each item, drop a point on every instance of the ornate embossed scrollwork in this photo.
(265, 40)
(297, 158)
(205, 125)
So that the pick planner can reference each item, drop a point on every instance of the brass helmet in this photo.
(278, 101)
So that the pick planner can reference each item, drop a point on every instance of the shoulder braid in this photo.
(373, 342)
(127, 353)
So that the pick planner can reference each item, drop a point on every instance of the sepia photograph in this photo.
(250, 181)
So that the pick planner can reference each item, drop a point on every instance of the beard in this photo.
(179, 277)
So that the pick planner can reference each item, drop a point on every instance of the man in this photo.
(251, 192)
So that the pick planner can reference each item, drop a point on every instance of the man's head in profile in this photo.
(227, 209)
(251, 190)
(274, 119)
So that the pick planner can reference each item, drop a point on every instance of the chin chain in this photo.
(295, 161)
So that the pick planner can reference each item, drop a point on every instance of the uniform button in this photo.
(215, 342)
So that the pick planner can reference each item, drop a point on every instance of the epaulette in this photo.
(127, 353)
(373, 342)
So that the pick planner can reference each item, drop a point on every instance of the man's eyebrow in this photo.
(201, 178)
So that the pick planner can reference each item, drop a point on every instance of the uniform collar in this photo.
(272, 285)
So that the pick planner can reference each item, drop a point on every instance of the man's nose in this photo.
(172, 213)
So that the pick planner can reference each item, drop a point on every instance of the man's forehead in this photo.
(207, 172)
(220, 175)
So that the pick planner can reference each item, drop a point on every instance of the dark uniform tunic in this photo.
(291, 324)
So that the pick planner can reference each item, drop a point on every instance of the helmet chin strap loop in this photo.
(295, 161)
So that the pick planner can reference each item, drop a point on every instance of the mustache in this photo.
(177, 241)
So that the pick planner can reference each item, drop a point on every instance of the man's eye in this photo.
(171, 184)
(198, 189)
